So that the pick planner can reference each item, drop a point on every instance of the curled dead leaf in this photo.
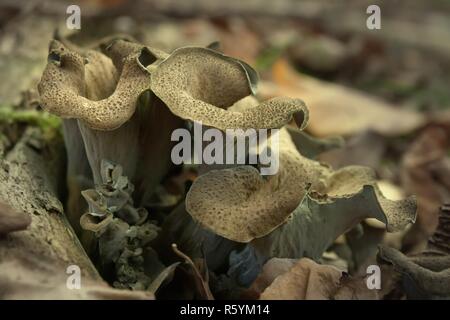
(425, 275)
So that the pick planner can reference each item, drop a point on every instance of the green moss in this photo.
(47, 122)
(268, 57)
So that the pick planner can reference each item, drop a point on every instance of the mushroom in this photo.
(297, 212)
(311, 146)
(129, 99)
(201, 84)
(117, 116)
(241, 205)
(68, 86)
(425, 275)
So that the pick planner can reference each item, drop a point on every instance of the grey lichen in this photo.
(123, 231)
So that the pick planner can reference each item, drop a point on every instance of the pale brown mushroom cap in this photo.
(200, 84)
(63, 87)
(196, 84)
(241, 205)
(118, 50)
(95, 224)
(352, 180)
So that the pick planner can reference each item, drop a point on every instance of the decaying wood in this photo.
(33, 262)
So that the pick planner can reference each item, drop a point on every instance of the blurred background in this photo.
(386, 91)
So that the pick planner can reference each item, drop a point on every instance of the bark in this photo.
(33, 262)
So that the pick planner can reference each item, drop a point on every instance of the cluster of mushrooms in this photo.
(121, 100)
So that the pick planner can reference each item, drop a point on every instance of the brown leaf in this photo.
(308, 280)
(271, 270)
(238, 32)
(425, 171)
(164, 276)
(337, 110)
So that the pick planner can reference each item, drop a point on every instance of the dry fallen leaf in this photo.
(308, 280)
(337, 110)
(270, 271)
(425, 172)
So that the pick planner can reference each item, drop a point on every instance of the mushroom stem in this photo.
(141, 146)
(315, 224)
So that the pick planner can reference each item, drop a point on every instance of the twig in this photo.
(188, 260)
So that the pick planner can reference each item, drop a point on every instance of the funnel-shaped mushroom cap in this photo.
(240, 205)
(200, 84)
(118, 50)
(63, 88)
